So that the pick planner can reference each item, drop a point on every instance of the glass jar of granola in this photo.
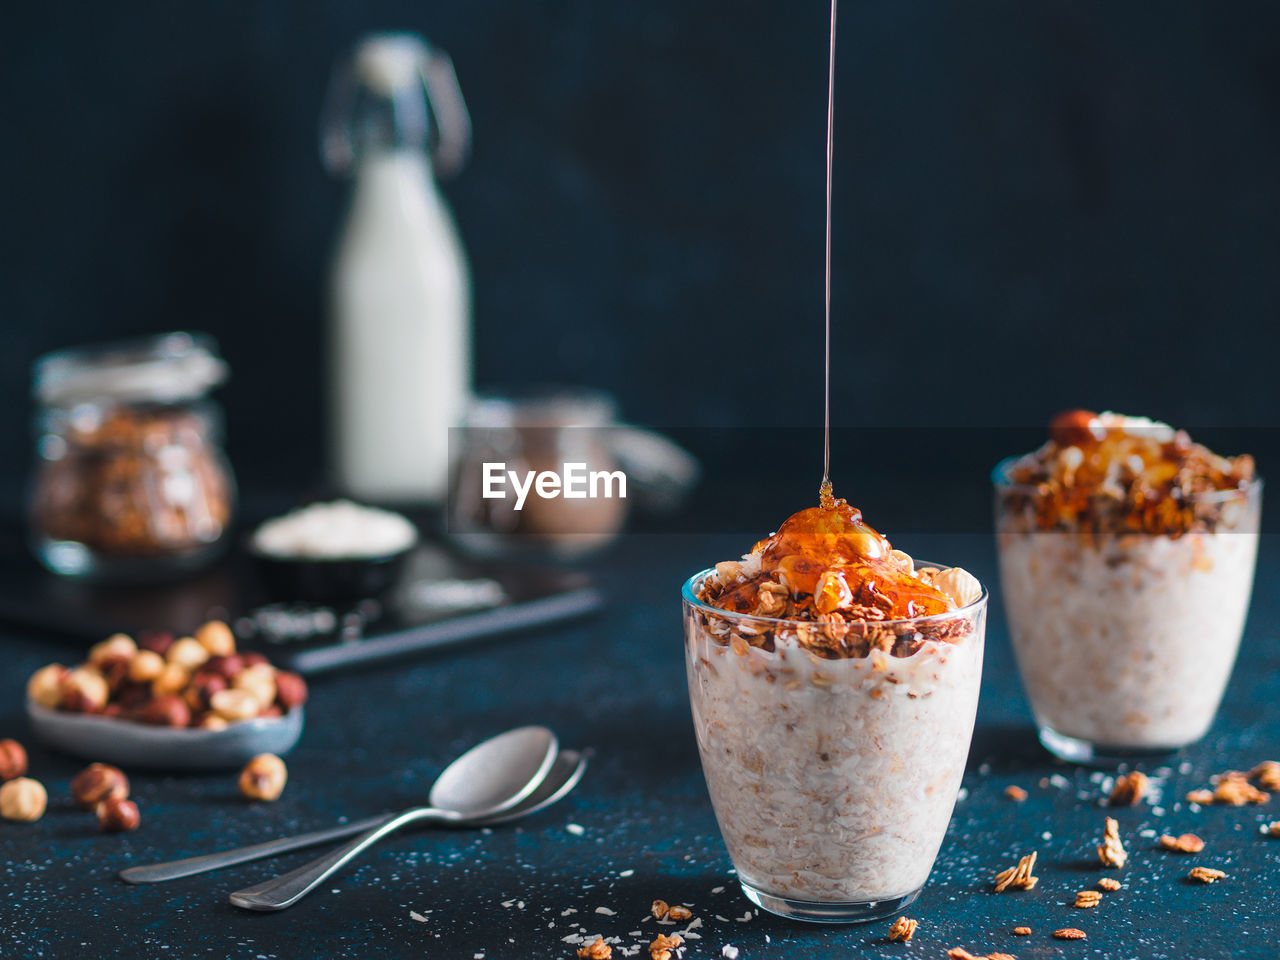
(131, 482)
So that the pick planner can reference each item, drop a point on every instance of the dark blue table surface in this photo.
(640, 825)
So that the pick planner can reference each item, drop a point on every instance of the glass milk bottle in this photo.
(400, 296)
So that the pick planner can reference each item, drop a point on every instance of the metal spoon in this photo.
(487, 780)
(564, 776)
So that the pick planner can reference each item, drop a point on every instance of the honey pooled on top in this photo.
(826, 566)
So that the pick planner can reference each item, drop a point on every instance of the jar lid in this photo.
(168, 368)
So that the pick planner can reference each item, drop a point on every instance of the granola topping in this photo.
(1022, 931)
(903, 929)
(841, 588)
(1015, 793)
(1069, 933)
(1108, 473)
(1088, 898)
(1109, 883)
(1267, 774)
(1111, 851)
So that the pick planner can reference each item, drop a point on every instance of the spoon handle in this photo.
(288, 888)
(174, 869)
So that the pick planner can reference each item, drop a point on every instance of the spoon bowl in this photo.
(496, 774)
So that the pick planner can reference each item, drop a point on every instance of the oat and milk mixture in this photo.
(834, 688)
(1126, 557)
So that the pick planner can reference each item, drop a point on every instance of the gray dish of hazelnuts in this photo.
(190, 703)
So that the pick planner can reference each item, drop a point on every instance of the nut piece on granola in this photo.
(1267, 773)
(596, 950)
(1015, 793)
(903, 929)
(1088, 898)
(1129, 789)
(1069, 933)
(1201, 797)
(1019, 877)
(659, 909)
(1111, 851)
(1206, 874)
(1022, 931)
(661, 947)
(1109, 883)
(1187, 843)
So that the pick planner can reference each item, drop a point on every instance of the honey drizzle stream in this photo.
(826, 498)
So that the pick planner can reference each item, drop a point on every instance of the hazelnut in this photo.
(167, 711)
(211, 721)
(233, 705)
(45, 686)
(116, 815)
(260, 680)
(291, 690)
(98, 782)
(226, 667)
(145, 666)
(188, 653)
(202, 688)
(173, 680)
(84, 690)
(1073, 428)
(23, 799)
(263, 777)
(157, 641)
(130, 696)
(13, 759)
(252, 658)
(117, 647)
(217, 638)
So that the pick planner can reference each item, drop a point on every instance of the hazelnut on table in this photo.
(13, 759)
(23, 799)
(263, 777)
(117, 815)
(98, 782)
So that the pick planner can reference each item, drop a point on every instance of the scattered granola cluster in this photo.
(1108, 473)
(1015, 793)
(1206, 874)
(1187, 843)
(1019, 877)
(1111, 851)
(903, 929)
(1129, 789)
(840, 586)
(663, 945)
(1233, 789)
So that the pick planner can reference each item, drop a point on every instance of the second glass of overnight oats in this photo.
(834, 684)
(1126, 559)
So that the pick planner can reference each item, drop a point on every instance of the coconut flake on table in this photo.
(340, 530)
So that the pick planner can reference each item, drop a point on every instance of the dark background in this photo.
(1036, 206)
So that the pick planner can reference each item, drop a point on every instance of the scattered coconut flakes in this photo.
(508, 904)
(745, 918)
(626, 873)
(717, 889)
(576, 829)
(568, 910)
(606, 911)
(722, 919)
(415, 915)
(729, 952)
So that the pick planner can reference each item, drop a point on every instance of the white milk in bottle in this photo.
(400, 295)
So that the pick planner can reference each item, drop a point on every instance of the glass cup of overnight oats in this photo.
(833, 685)
(1127, 555)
